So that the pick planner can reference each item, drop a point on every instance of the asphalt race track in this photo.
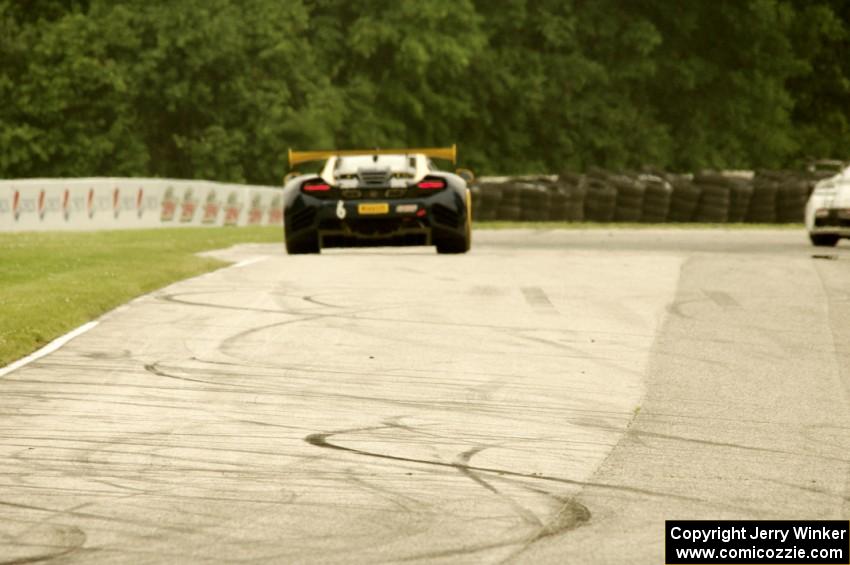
(551, 397)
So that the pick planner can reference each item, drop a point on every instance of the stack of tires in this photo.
(535, 200)
(489, 195)
(630, 193)
(762, 209)
(683, 199)
(574, 187)
(600, 200)
(741, 193)
(714, 200)
(656, 198)
(628, 199)
(739, 189)
(579, 193)
(560, 202)
(510, 205)
(792, 192)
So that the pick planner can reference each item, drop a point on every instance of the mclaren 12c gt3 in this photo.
(376, 198)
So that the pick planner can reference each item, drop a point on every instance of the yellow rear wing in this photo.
(447, 153)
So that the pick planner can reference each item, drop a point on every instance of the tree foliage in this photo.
(220, 89)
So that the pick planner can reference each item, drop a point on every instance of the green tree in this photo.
(220, 89)
(720, 81)
(821, 91)
(226, 87)
(65, 102)
(401, 66)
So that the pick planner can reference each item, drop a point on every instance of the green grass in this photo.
(501, 225)
(53, 282)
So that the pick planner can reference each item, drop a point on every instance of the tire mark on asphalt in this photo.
(676, 307)
(75, 543)
(460, 551)
(570, 516)
(811, 489)
(156, 369)
(487, 290)
(227, 344)
(577, 353)
(354, 315)
(321, 440)
(673, 308)
(536, 298)
(463, 466)
(313, 300)
(105, 518)
(712, 443)
(174, 299)
(394, 498)
(834, 322)
(450, 406)
(722, 299)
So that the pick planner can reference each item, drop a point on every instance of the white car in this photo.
(828, 210)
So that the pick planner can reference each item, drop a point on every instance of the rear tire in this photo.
(306, 244)
(454, 245)
(823, 239)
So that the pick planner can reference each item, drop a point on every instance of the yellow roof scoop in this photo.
(447, 153)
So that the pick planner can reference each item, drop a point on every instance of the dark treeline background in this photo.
(219, 89)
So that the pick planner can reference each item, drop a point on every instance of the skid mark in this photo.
(536, 297)
(463, 466)
(722, 299)
(321, 440)
(56, 540)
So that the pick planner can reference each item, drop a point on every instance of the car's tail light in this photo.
(432, 184)
(315, 186)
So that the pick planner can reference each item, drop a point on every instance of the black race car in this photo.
(376, 198)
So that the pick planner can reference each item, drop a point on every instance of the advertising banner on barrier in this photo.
(124, 203)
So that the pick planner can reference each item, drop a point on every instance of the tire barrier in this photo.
(600, 201)
(713, 205)
(510, 203)
(486, 197)
(535, 201)
(568, 196)
(792, 192)
(116, 203)
(684, 199)
(739, 191)
(630, 194)
(657, 197)
(651, 197)
(560, 203)
(762, 208)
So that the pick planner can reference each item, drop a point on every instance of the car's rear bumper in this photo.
(831, 230)
(406, 221)
(836, 222)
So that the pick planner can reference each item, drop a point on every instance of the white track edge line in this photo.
(48, 349)
(247, 262)
(62, 340)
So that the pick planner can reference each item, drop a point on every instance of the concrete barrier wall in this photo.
(122, 203)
